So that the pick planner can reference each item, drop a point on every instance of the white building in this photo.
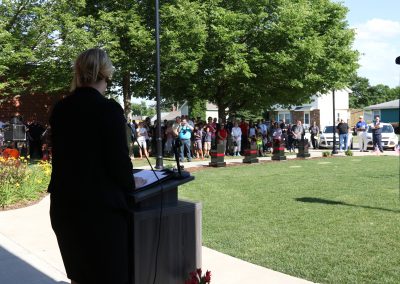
(320, 110)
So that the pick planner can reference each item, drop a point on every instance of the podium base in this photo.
(278, 158)
(250, 160)
(180, 249)
(217, 164)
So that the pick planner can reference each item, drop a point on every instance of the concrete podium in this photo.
(179, 250)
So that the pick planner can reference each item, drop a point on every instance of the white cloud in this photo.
(378, 41)
(378, 29)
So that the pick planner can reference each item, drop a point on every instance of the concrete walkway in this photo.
(29, 253)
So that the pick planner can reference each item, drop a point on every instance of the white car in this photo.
(326, 138)
(389, 138)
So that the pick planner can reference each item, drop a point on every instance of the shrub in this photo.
(326, 154)
(21, 182)
(348, 153)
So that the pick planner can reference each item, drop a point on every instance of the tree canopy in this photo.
(241, 55)
(363, 94)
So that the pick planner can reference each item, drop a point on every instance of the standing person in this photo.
(245, 132)
(343, 129)
(213, 128)
(207, 141)
(89, 201)
(376, 127)
(252, 130)
(277, 132)
(222, 135)
(361, 128)
(169, 134)
(184, 135)
(237, 139)
(314, 130)
(290, 139)
(198, 139)
(298, 133)
(142, 140)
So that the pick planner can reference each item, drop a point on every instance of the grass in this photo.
(328, 221)
(170, 161)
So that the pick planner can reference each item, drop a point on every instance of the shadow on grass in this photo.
(334, 202)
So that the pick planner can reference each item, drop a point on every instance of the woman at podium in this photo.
(91, 177)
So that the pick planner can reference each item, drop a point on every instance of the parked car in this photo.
(389, 137)
(326, 138)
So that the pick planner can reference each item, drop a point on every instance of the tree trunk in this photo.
(221, 106)
(127, 95)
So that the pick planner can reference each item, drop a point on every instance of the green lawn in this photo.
(333, 220)
(170, 161)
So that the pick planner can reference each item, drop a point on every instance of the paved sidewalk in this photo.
(29, 253)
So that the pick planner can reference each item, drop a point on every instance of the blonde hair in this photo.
(90, 67)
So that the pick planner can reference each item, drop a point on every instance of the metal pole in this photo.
(159, 159)
(334, 151)
(398, 62)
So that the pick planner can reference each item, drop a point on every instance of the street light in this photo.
(334, 151)
(159, 159)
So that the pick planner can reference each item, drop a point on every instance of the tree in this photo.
(122, 31)
(197, 109)
(364, 95)
(259, 53)
(142, 109)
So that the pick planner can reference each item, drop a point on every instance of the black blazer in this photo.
(90, 158)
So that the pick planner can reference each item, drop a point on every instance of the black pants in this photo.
(314, 141)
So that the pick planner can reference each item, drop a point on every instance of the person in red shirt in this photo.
(222, 135)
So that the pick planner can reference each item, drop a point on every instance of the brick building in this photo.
(30, 107)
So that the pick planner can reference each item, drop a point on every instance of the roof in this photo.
(168, 115)
(303, 108)
(296, 108)
(387, 105)
(211, 106)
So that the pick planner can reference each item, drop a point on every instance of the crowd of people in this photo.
(194, 138)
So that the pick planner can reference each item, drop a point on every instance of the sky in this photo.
(377, 26)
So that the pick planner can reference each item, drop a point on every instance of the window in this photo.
(307, 118)
(376, 113)
(284, 116)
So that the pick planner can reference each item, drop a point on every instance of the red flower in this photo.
(208, 276)
(199, 272)
(197, 278)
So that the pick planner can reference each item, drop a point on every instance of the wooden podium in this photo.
(179, 250)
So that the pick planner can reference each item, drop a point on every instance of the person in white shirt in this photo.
(237, 139)
(141, 139)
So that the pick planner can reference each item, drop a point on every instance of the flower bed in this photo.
(22, 183)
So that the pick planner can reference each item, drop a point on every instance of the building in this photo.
(31, 107)
(211, 110)
(388, 112)
(320, 109)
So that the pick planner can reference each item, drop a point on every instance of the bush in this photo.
(21, 182)
(348, 152)
(326, 154)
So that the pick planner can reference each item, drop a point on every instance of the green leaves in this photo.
(241, 55)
